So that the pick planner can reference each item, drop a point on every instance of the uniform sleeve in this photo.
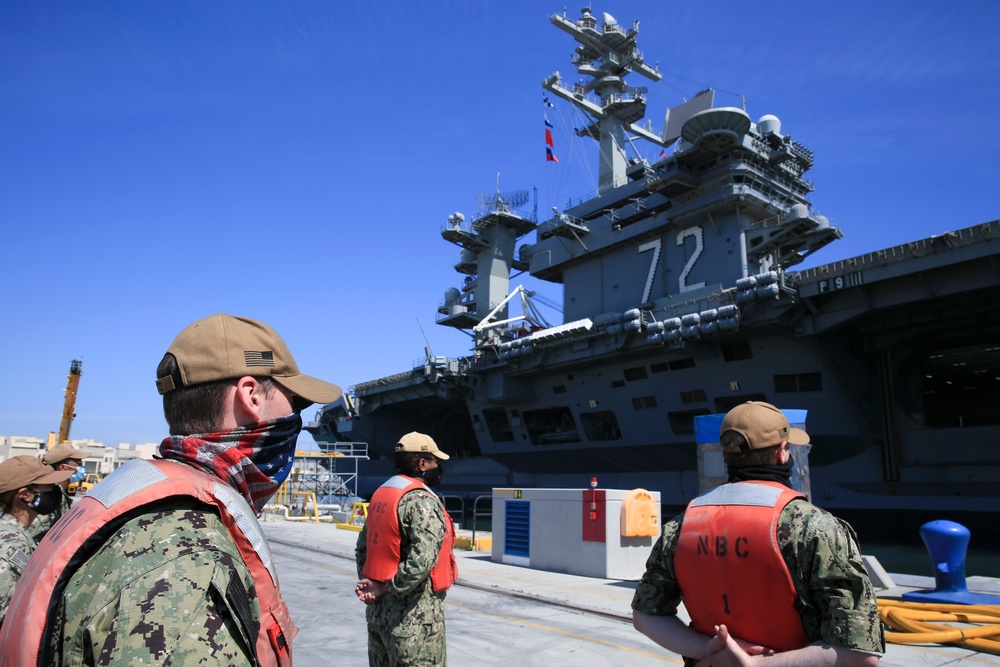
(422, 528)
(16, 547)
(837, 589)
(190, 602)
(8, 579)
(657, 593)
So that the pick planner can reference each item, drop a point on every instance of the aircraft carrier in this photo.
(680, 298)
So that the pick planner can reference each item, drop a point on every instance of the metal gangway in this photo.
(323, 482)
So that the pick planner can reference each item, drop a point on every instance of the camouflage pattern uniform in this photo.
(166, 588)
(43, 523)
(824, 559)
(16, 546)
(406, 626)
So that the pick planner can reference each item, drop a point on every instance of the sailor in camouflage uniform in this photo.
(27, 490)
(815, 604)
(63, 456)
(164, 561)
(406, 561)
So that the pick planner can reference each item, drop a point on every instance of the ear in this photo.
(784, 453)
(247, 401)
(25, 494)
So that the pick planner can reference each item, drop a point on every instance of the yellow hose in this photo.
(925, 623)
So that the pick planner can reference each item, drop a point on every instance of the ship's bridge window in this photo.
(693, 396)
(795, 383)
(637, 373)
(600, 426)
(644, 402)
(678, 364)
(498, 425)
(682, 421)
(552, 426)
(724, 404)
(659, 367)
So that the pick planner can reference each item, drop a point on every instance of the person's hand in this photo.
(369, 591)
(724, 650)
(748, 648)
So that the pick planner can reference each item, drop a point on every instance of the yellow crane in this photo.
(69, 404)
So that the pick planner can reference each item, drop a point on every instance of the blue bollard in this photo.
(947, 542)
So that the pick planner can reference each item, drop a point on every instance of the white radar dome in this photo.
(769, 124)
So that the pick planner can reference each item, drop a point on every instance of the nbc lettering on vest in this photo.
(721, 544)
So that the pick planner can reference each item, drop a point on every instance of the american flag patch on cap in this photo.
(255, 358)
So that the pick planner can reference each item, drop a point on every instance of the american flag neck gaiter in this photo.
(253, 459)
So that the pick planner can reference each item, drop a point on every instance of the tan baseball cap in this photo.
(418, 442)
(21, 471)
(224, 347)
(763, 425)
(62, 452)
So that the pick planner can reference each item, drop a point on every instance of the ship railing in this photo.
(463, 226)
(354, 450)
(439, 363)
(471, 228)
(576, 201)
(906, 251)
(621, 97)
(381, 382)
(447, 305)
(562, 220)
(614, 27)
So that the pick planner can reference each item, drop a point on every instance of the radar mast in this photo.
(607, 54)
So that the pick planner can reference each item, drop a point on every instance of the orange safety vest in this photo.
(729, 567)
(135, 484)
(384, 541)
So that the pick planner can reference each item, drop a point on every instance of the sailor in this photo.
(28, 488)
(760, 570)
(63, 456)
(164, 562)
(406, 560)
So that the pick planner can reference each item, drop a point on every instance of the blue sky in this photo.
(295, 162)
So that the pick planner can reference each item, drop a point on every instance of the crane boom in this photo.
(69, 405)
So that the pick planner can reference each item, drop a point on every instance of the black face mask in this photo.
(433, 476)
(46, 502)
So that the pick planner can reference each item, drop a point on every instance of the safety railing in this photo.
(477, 512)
(452, 500)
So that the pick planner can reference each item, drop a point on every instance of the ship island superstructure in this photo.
(680, 300)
